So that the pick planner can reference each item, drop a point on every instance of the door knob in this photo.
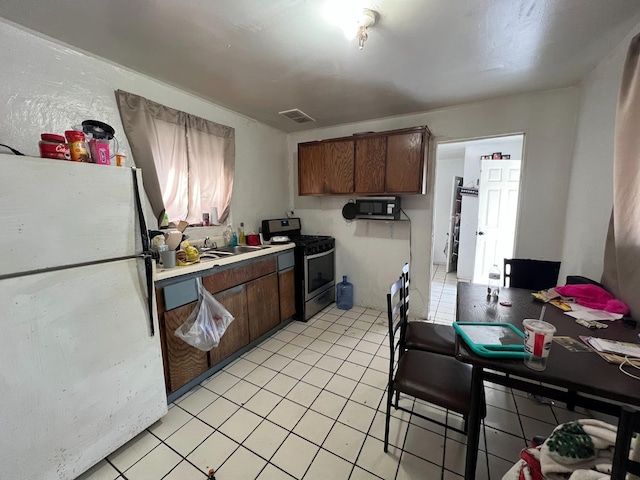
(479, 233)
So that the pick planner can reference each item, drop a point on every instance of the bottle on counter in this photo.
(493, 286)
(344, 295)
(228, 236)
(242, 239)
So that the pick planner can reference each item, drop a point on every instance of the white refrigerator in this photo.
(80, 360)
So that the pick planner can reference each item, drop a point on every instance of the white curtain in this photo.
(621, 275)
(187, 162)
(210, 176)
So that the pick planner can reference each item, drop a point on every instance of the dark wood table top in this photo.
(584, 372)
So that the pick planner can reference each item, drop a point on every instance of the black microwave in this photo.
(373, 208)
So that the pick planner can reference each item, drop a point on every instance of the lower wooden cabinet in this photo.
(237, 334)
(184, 362)
(253, 293)
(286, 285)
(263, 305)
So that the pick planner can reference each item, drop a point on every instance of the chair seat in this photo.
(430, 337)
(436, 379)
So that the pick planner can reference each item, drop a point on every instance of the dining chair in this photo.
(628, 424)
(424, 336)
(431, 377)
(530, 274)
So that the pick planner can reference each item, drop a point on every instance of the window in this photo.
(187, 162)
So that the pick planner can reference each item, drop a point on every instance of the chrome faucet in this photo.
(209, 244)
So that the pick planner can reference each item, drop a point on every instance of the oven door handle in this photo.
(317, 255)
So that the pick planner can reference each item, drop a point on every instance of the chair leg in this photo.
(388, 418)
(397, 398)
(571, 402)
(466, 426)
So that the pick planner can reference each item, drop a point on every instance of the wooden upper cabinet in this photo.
(387, 163)
(371, 155)
(338, 167)
(311, 158)
(404, 169)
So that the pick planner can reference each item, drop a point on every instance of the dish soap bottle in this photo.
(344, 294)
(242, 239)
(228, 236)
(493, 287)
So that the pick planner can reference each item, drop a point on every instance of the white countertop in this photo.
(161, 273)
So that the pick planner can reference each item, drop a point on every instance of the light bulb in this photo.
(344, 14)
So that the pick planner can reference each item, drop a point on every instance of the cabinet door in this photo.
(338, 167)
(405, 172)
(263, 305)
(286, 280)
(184, 361)
(311, 169)
(237, 334)
(370, 163)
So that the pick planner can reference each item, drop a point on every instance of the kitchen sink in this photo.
(236, 250)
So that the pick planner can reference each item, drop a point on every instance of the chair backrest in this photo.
(395, 308)
(405, 288)
(628, 423)
(404, 311)
(531, 274)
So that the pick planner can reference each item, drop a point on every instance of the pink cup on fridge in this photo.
(100, 152)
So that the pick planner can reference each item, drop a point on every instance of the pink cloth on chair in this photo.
(592, 296)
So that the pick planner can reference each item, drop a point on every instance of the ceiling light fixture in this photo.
(368, 19)
(352, 17)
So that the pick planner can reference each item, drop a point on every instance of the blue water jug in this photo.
(344, 294)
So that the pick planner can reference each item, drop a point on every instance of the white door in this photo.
(497, 213)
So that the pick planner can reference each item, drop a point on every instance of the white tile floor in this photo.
(442, 306)
(309, 404)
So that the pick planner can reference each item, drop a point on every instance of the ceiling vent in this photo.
(297, 115)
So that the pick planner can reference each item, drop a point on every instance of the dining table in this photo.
(577, 378)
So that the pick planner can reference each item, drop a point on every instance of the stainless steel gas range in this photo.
(314, 265)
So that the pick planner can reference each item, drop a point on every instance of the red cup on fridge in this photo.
(54, 146)
(77, 146)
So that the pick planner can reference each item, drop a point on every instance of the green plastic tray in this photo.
(495, 340)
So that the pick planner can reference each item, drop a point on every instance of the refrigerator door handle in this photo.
(148, 267)
(146, 253)
(144, 234)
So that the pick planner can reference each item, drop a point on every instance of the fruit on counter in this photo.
(191, 254)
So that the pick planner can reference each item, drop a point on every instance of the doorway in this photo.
(476, 192)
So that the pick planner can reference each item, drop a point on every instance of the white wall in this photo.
(48, 87)
(591, 187)
(446, 170)
(548, 121)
